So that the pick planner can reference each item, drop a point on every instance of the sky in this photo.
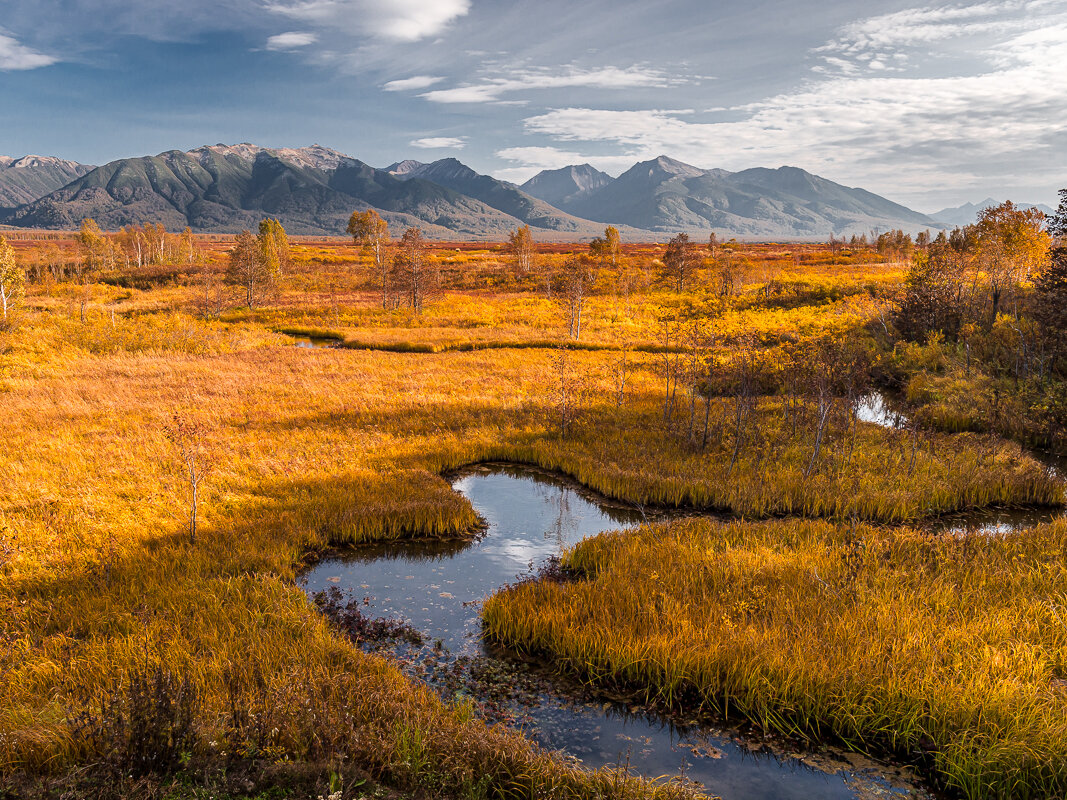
(930, 104)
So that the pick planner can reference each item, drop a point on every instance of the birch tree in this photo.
(680, 260)
(370, 231)
(248, 270)
(189, 438)
(520, 244)
(411, 267)
(12, 277)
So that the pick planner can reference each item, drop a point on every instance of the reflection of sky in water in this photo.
(873, 408)
(876, 409)
(438, 595)
(532, 517)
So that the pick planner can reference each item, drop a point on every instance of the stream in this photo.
(312, 341)
(437, 588)
(879, 410)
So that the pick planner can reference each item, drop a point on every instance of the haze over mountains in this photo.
(313, 190)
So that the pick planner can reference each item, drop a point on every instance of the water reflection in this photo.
(874, 408)
(532, 516)
(313, 342)
(877, 409)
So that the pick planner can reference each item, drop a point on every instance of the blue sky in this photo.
(930, 104)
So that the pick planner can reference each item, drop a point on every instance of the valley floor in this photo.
(129, 647)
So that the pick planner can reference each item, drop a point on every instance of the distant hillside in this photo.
(967, 214)
(503, 196)
(313, 190)
(665, 195)
(559, 187)
(227, 188)
(23, 180)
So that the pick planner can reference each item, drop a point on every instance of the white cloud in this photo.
(889, 41)
(16, 56)
(491, 89)
(291, 40)
(398, 20)
(540, 157)
(414, 83)
(895, 133)
(440, 142)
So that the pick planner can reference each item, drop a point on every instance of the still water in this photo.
(877, 409)
(533, 516)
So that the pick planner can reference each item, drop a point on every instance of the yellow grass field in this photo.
(100, 585)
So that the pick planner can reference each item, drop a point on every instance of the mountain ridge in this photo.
(967, 214)
(566, 184)
(26, 178)
(665, 195)
(501, 195)
(223, 188)
(312, 190)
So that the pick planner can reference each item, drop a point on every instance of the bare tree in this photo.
(567, 393)
(411, 268)
(669, 328)
(743, 377)
(189, 437)
(577, 280)
(622, 369)
(212, 300)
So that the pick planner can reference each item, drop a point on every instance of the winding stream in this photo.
(533, 516)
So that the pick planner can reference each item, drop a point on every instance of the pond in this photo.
(532, 517)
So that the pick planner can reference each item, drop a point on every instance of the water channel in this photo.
(313, 341)
(880, 410)
(532, 516)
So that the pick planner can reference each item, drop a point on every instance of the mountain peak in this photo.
(314, 157)
(35, 162)
(447, 166)
(673, 166)
(440, 171)
(28, 178)
(404, 167)
(561, 186)
(967, 214)
(659, 167)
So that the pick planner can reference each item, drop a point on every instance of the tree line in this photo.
(998, 288)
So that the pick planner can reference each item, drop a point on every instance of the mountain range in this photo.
(313, 190)
(968, 212)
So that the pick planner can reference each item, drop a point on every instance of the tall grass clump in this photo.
(949, 651)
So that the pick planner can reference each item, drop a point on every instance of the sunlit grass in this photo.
(950, 650)
(325, 448)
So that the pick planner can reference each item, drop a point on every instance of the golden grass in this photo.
(888, 640)
(327, 447)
